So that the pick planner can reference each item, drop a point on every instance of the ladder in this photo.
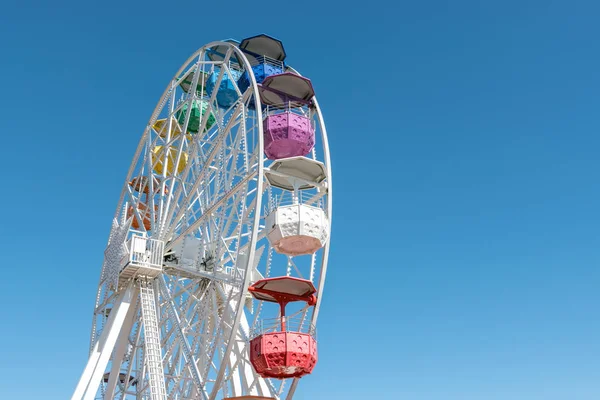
(153, 352)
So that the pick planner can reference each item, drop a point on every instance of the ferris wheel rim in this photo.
(260, 177)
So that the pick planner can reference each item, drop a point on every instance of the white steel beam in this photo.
(90, 379)
(121, 348)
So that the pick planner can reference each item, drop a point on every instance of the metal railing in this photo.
(234, 271)
(258, 60)
(292, 108)
(294, 323)
(287, 198)
(146, 251)
(235, 66)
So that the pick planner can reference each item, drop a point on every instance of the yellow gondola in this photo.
(158, 157)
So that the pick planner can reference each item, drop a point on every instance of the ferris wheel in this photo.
(216, 261)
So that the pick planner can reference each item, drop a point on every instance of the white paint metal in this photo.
(196, 344)
(90, 379)
(153, 354)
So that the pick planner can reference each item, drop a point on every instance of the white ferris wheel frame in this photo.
(115, 336)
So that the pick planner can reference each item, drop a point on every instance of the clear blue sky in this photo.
(464, 138)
